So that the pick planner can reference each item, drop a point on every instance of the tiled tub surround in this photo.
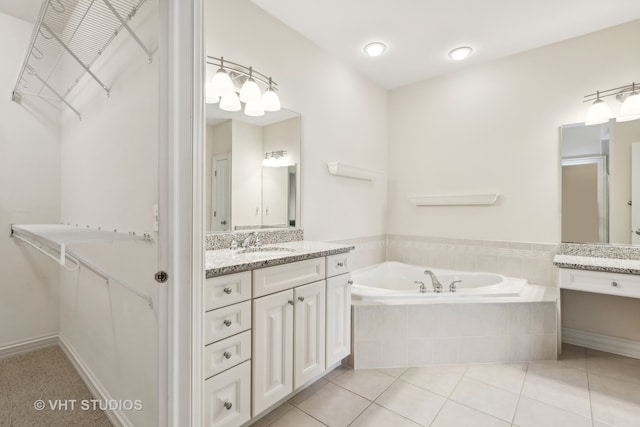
(605, 258)
(530, 261)
(223, 240)
(367, 250)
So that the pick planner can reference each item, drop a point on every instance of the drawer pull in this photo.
(300, 299)
(227, 322)
(227, 355)
(614, 284)
(350, 282)
(227, 291)
(290, 302)
(340, 264)
(228, 405)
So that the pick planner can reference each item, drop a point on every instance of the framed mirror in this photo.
(600, 181)
(252, 170)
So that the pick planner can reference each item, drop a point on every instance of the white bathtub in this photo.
(394, 281)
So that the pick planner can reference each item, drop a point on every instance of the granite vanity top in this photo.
(226, 261)
(606, 258)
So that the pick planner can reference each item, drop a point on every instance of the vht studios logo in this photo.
(88, 405)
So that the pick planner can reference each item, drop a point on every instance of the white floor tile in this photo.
(506, 376)
(573, 356)
(334, 405)
(301, 396)
(454, 414)
(277, 413)
(486, 398)
(415, 403)
(296, 418)
(377, 416)
(612, 365)
(558, 385)
(394, 372)
(367, 383)
(615, 402)
(438, 379)
(531, 413)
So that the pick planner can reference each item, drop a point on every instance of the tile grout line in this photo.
(586, 366)
(524, 380)
(447, 398)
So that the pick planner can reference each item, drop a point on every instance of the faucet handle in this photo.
(234, 245)
(452, 285)
(258, 241)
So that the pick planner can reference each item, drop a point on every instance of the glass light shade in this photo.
(269, 162)
(460, 53)
(599, 112)
(630, 108)
(254, 109)
(211, 96)
(230, 102)
(375, 48)
(270, 100)
(250, 92)
(221, 83)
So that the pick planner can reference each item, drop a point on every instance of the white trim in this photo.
(25, 346)
(350, 171)
(117, 418)
(606, 343)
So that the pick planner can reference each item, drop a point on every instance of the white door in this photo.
(309, 333)
(221, 197)
(272, 349)
(338, 318)
(635, 193)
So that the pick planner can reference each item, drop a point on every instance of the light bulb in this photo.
(630, 108)
(270, 100)
(211, 96)
(375, 48)
(230, 102)
(460, 53)
(254, 109)
(250, 92)
(221, 83)
(598, 113)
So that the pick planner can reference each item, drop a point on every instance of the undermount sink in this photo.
(273, 250)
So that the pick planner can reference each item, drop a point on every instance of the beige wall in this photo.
(344, 117)
(29, 193)
(580, 203)
(622, 136)
(218, 142)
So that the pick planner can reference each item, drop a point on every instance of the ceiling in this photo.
(27, 10)
(420, 33)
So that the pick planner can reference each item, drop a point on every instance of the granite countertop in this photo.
(226, 261)
(610, 265)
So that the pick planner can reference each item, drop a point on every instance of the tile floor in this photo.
(583, 388)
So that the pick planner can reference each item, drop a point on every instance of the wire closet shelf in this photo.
(67, 39)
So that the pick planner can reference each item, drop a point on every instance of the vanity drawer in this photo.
(227, 321)
(624, 285)
(227, 397)
(338, 264)
(226, 353)
(226, 290)
(286, 276)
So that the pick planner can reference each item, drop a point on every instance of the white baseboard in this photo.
(117, 418)
(26, 346)
(606, 343)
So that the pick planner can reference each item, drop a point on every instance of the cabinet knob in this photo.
(350, 282)
(227, 355)
(228, 405)
(290, 302)
(614, 284)
(227, 291)
(341, 264)
(300, 299)
(227, 322)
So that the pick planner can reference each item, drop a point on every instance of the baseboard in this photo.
(606, 343)
(26, 346)
(117, 418)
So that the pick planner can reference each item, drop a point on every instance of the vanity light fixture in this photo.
(599, 112)
(276, 159)
(375, 48)
(460, 53)
(230, 76)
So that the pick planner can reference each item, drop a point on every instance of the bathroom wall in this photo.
(218, 142)
(344, 117)
(494, 128)
(246, 173)
(110, 179)
(29, 193)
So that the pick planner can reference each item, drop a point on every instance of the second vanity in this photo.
(277, 317)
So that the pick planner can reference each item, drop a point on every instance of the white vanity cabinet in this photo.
(623, 285)
(338, 334)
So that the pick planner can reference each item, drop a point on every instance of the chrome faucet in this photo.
(423, 288)
(452, 285)
(437, 286)
(246, 242)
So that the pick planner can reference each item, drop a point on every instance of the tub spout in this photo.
(437, 286)
(423, 288)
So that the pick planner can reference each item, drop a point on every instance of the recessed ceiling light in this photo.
(375, 48)
(460, 53)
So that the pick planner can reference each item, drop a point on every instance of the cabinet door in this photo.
(309, 333)
(272, 349)
(227, 397)
(338, 318)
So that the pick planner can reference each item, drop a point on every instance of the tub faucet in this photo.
(247, 241)
(423, 288)
(437, 286)
(452, 285)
